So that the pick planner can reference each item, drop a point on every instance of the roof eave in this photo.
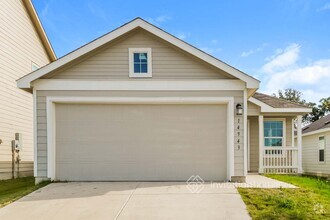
(264, 108)
(316, 131)
(251, 83)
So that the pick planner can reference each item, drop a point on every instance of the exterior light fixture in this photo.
(239, 109)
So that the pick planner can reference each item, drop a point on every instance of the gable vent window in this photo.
(140, 62)
(321, 148)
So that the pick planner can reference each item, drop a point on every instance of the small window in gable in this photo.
(140, 62)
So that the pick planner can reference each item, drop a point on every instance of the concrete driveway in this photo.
(129, 200)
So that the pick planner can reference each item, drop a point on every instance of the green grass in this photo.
(13, 189)
(310, 201)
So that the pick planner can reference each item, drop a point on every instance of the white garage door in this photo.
(140, 142)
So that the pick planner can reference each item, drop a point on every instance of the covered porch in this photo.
(271, 143)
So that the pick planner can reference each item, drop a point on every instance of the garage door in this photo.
(140, 142)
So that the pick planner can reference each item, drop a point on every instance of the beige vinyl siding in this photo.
(253, 109)
(19, 47)
(42, 118)
(254, 143)
(310, 154)
(112, 61)
(254, 138)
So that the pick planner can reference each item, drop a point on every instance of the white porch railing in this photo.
(280, 159)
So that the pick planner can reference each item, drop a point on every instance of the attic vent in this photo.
(327, 122)
(305, 128)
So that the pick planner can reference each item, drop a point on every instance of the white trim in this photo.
(299, 143)
(24, 82)
(122, 85)
(316, 132)
(245, 133)
(51, 145)
(131, 52)
(35, 130)
(284, 129)
(324, 147)
(261, 143)
(248, 145)
(292, 132)
(268, 109)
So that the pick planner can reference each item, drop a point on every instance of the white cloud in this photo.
(160, 19)
(181, 36)
(282, 71)
(214, 41)
(282, 59)
(253, 51)
(325, 7)
(211, 50)
(163, 18)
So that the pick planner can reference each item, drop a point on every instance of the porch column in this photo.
(261, 144)
(299, 143)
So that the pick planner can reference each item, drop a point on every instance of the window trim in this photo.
(318, 148)
(131, 52)
(283, 120)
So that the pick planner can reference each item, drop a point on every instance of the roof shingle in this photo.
(277, 102)
(323, 122)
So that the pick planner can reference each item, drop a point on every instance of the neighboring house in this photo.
(139, 104)
(23, 48)
(316, 147)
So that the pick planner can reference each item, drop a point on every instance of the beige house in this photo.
(316, 147)
(23, 48)
(139, 104)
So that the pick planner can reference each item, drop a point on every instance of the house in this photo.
(139, 104)
(23, 47)
(316, 147)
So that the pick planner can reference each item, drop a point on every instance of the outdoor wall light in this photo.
(239, 109)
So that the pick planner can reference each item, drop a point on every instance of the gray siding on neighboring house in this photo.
(310, 154)
(42, 116)
(19, 47)
(112, 61)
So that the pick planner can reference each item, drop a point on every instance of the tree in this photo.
(318, 111)
(291, 95)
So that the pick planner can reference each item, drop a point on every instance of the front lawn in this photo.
(310, 201)
(13, 189)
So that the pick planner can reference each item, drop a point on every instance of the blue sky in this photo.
(283, 43)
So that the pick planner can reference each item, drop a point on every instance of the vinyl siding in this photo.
(310, 154)
(254, 138)
(112, 61)
(253, 109)
(19, 47)
(42, 118)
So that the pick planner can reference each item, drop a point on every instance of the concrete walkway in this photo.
(129, 200)
(258, 181)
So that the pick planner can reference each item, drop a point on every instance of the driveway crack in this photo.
(127, 200)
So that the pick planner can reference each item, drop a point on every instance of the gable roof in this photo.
(40, 30)
(273, 104)
(25, 82)
(318, 126)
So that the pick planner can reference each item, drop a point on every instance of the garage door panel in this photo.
(140, 142)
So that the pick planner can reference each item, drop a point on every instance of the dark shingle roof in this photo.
(277, 102)
(323, 122)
